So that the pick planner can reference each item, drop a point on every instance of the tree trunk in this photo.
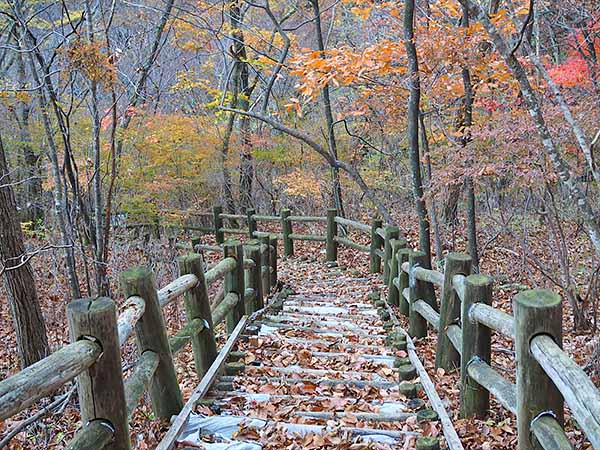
(28, 321)
(241, 79)
(465, 128)
(336, 186)
(439, 248)
(413, 128)
(33, 181)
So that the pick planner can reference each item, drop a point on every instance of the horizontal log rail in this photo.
(134, 309)
(176, 288)
(578, 390)
(46, 376)
(349, 243)
(493, 318)
(224, 267)
(139, 380)
(306, 219)
(503, 390)
(353, 224)
(264, 218)
(308, 237)
(232, 231)
(430, 314)
(428, 275)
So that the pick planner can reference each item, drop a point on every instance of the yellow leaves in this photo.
(91, 61)
(294, 106)
(300, 184)
(363, 13)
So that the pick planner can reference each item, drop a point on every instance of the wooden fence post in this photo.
(265, 264)
(393, 293)
(219, 235)
(234, 282)
(251, 222)
(419, 290)
(390, 233)
(536, 312)
(446, 355)
(253, 276)
(156, 227)
(273, 260)
(152, 335)
(476, 343)
(100, 388)
(376, 245)
(286, 227)
(332, 249)
(197, 306)
(403, 280)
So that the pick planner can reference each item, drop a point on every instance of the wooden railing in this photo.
(107, 401)
(546, 376)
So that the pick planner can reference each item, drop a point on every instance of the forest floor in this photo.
(500, 260)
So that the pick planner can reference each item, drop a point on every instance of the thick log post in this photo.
(393, 293)
(100, 388)
(286, 227)
(265, 264)
(476, 343)
(234, 282)
(376, 245)
(253, 275)
(251, 222)
(197, 306)
(152, 335)
(195, 242)
(403, 280)
(446, 355)
(390, 233)
(273, 260)
(332, 249)
(536, 312)
(218, 220)
(419, 290)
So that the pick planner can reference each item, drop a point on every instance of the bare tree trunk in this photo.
(439, 249)
(413, 128)
(102, 284)
(465, 128)
(28, 321)
(336, 187)
(242, 81)
(33, 181)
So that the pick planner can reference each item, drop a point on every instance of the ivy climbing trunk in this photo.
(17, 274)
(414, 101)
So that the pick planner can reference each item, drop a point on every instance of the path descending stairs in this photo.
(317, 373)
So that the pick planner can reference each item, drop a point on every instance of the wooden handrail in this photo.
(176, 288)
(134, 309)
(353, 223)
(493, 318)
(580, 393)
(220, 270)
(46, 376)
